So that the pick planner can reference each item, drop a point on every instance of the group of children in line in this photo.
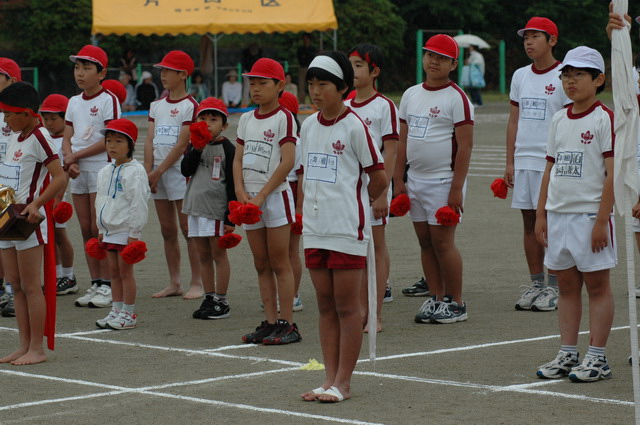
(347, 154)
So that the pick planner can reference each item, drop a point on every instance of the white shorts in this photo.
(203, 227)
(636, 225)
(526, 189)
(569, 243)
(38, 237)
(86, 182)
(171, 186)
(427, 196)
(382, 220)
(278, 209)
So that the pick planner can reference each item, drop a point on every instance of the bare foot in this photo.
(169, 291)
(366, 328)
(194, 293)
(11, 357)
(334, 395)
(30, 357)
(313, 394)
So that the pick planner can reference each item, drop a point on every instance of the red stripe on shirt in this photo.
(370, 145)
(240, 141)
(394, 122)
(465, 102)
(33, 187)
(360, 206)
(114, 105)
(613, 134)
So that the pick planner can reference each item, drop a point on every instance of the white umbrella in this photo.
(625, 172)
(466, 40)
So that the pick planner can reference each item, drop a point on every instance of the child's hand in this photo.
(153, 177)
(242, 196)
(32, 213)
(599, 237)
(74, 170)
(129, 240)
(229, 229)
(541, 230)
(508, 176)
(380, 207)
(100, 237)
(257, 200)
(399, 187)
(455, 200)
(635, 211)
(70, 159)
(615, 21)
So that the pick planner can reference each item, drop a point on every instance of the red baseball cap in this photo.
(55, 103)
(92, 54)
(10, 68)
(212, 104)
(266, 68)
(289, 102)
(123, 126)
(538, 23)
(117, 88)
(444, 45)
(177, 60)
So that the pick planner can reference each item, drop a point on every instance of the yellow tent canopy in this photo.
(173, 17)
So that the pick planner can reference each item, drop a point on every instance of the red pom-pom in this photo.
(62, 212)
(134, 252)
(235, 212)
(94, 250)
(400, 205)
(499, 188)
(251, 214)
(200, 135)
(296, 228)
(447, 216)
(230, 240)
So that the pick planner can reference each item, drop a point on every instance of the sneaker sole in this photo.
(574, 378)
(422, 321)
(541, 375)
(387, 300)
(520, 308)
(298, 308)
(270, 342)
(536, 308)
(415, 294)
(94, 305)
(222, 316)
(462, 318)
(122, 329)
(73, 290)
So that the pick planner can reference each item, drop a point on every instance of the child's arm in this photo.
(464, 137)
(238, 179)
(300, 192)
(57, 183)
(377, 183)
(287, 158)
(600, 233)
(174, 155)
(95, 149)
(635, 211)
(401, 161)
(541, 212)
(190, 161)
(380, 204)
(512, 130)
(148, 147)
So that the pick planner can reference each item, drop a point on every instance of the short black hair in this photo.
(214, 113)
(130, 142)
(323, 75)
(60, 114)
(21, 95)
(371, 51)
(85, 62)
(595, 73)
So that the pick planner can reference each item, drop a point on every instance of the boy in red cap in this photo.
(265, 154)
(29, 159)
(84, 156)
(436, 137)
(535, 96)
(167, 139)
(53, 114)
(209, 191)
(381, 117)
(123, 192)
(9, 74)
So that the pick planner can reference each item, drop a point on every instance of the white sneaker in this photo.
(125, 320)
(547, 300)
(102, 323)
(102, 297)
(529, 295)
(83, 301)
(638, 291)
(297, 303)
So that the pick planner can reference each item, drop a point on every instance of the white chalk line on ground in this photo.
(123, 390)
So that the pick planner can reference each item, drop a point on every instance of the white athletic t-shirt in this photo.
(431, 115)
(24, 166)
(380, 115)
(577, 146)
(168, 117)
(57, 142)
(5, 136)
(538, 94)
(261, 137)
(335, 156)
(88, 115)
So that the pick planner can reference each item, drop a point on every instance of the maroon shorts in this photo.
(112, 246)
(315, 258)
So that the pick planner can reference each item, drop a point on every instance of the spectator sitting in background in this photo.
(232, 90)
(289, 85)
(130, 103)
(199, 89)
(146, 91)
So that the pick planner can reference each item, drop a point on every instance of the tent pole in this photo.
(335, 39)
(215, 38)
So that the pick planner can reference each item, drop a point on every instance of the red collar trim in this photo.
(23, 138)
(85, 97)
(177, 100)
(366, 102)
(331, 122)
(573, 116)
(260, 116)
(544, 71)
(429, 88)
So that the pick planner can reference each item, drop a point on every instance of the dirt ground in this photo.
(174, 369)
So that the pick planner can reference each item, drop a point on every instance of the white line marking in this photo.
(58, 400)
(472, 167)
(229, 347)
(97, 331)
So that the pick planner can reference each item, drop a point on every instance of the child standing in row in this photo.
(436, 137)
(167, 139)
(381, 117)
(29, 159)
(265, 154)
(574, 216)
(206, 201)
(337, 156)
(535, 97)
(84, 156)
(53, 111)
(121, 202)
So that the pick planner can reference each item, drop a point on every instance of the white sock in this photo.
(59, 271)
(129, 308)
(117, 306)
(67, 272)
